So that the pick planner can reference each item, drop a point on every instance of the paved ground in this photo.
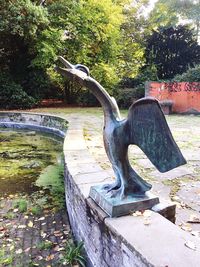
(27, 240)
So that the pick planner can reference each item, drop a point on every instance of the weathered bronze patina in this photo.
(145, 127)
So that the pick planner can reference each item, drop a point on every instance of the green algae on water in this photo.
(23, 157)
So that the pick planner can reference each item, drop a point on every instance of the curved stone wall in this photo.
(35, 121)
(109, 242)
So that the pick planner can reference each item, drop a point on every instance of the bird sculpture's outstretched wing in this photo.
(147, 128)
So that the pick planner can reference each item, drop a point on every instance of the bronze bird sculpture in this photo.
(145, 127)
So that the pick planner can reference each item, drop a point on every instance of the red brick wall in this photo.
(185, 95)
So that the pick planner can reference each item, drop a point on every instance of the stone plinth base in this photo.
(116, 207)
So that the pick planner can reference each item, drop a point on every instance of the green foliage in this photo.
(94, 39)
(113, 38)
(163, 15)
(170, 13)
(189, 10)
(22, 18)
(172, 51)
(191, 75)
(73, 255)
(5, 260)
(132, 89)
(134, 29)
(12, 94)
(88, 32)
(126, 97)
(86, 98)
(45, 245)
(52, 179)
(21, 205)
(36, 210)
(45, 50)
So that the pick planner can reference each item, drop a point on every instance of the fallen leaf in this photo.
(27, 249)
(137, 213)
(43, 234)
(147, 213)
(57, 248)
(12, 247)
(22, 226)
(50, 257)
(39, 258)
(19, 251)
(176, 198)
(190, 245)
(41, 219)
(147, 221)
(186, 227)
(30, 224)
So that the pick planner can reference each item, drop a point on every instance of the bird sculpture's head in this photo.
(69, 66)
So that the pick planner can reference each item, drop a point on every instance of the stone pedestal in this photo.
(116, 207)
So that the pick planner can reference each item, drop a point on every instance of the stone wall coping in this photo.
(31, 113)
(158, 243)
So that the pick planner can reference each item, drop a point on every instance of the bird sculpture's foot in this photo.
(125, 191)
(110, 187)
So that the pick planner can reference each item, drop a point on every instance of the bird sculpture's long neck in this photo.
(109, 105)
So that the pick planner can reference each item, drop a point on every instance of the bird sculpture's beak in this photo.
(66, 63)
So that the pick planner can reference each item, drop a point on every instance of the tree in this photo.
(163, 15)
(172, 50)
(20, 24)
(104, 35)
(189, 10)
(91, 36)
(134, 29)
(173, 12)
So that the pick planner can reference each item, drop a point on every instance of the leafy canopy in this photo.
(172, 51)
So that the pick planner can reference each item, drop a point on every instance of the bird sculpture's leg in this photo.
(116, 184)
(131, 184)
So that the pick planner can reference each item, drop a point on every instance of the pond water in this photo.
(23, 157)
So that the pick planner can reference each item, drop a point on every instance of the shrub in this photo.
(126, 97)
(191, 75)
(86, 98)
(12, 95)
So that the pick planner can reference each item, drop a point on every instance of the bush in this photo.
(12, 95)
(86, 98)
(126, 97)
(191, 75)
